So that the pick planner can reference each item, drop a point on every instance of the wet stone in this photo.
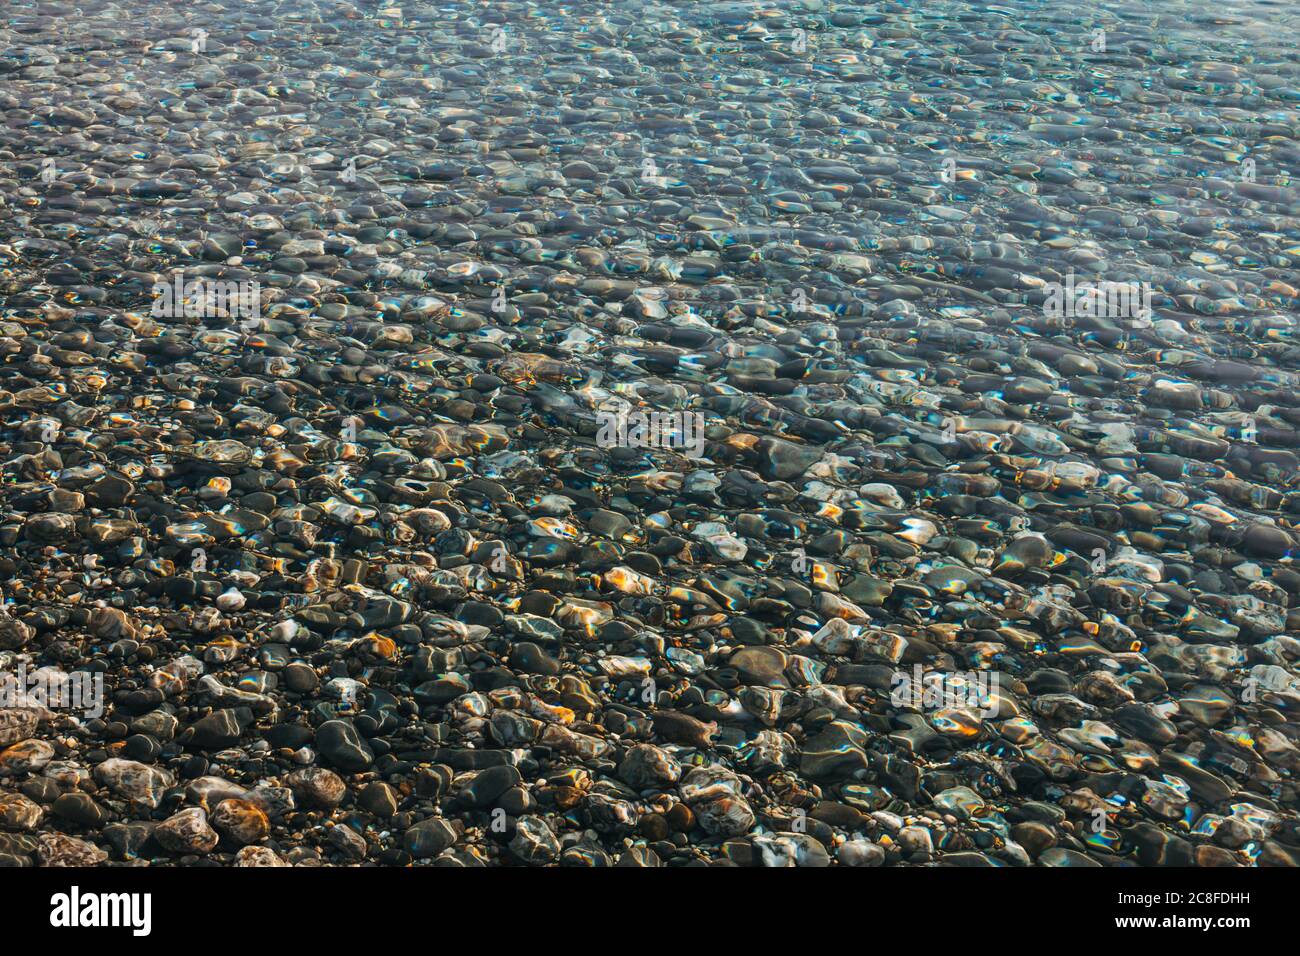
(429, 838)
(186, 832)
(339, 743)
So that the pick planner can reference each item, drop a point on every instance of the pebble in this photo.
(186, 832)
(19, 813)
(240, 821)
(258, 856)
(134, 781)
(59, 849)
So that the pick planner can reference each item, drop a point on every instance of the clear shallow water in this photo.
(972, 327)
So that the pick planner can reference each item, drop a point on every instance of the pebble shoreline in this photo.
(310, 315)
